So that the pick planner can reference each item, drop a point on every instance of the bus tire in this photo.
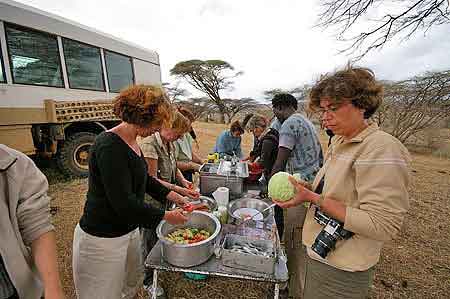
(73, 156)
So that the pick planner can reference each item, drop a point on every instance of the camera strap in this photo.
(319, 187)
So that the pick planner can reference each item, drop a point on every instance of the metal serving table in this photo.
(214, 266)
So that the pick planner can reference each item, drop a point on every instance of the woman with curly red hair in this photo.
(106, 247)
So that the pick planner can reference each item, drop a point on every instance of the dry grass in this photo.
(415, 265)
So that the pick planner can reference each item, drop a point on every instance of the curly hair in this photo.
(144, 106)
(187, 113)
(256, 121)
(353, 83)
(236, 127)
(284, 100)
(180, 123)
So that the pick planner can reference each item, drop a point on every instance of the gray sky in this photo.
(272, 41)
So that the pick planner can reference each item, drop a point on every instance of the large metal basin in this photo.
(247, 202)
(188, 255)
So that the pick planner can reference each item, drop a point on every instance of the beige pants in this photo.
(293, 225)
(107, 268)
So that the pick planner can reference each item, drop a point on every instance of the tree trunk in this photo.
(221, 118)
(222, 113)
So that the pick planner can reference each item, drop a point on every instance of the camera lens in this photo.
(323, 244)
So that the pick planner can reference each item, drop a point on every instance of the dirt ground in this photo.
(414, 265)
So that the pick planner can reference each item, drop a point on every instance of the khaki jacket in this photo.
(24, 217)
(154, 148)
(370, 175)
(183, 148)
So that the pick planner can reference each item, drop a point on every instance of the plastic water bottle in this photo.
(223, 214)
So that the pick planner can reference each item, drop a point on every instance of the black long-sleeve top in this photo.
(118, 181)
(268, 150)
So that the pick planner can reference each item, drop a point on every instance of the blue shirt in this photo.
(275, 124)
(298, 134)
(226, 143)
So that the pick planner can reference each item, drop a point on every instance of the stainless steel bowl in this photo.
(211, 202)
(188, 255)
(247, 202)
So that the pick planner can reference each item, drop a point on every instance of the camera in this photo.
(332, 231)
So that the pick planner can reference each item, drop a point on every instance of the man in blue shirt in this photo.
(299, 147)
(299, 151)
(229, 141)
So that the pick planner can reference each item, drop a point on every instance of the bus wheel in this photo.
(73, 157)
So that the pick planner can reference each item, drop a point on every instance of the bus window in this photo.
(84, 66)
(119, 71)
(34, 56)
(2, 73)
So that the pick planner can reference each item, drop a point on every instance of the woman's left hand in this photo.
(179, 200)
(302, 195)
(188, 192)
(186, 184)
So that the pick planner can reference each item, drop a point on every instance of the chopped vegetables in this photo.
(188, 235)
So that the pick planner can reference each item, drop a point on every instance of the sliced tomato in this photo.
(188, 207)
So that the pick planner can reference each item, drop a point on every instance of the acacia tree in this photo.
(384, 19)
(413, 105)
(208, 76)
(175, 92)
(198, 106)
(236, 106)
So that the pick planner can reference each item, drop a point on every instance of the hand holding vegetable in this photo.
(301, 194)
(175, 217)
(189, 192)
(186, 184)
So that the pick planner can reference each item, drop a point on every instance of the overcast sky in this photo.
(272, 41)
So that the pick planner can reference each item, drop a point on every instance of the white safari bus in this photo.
(57, 79)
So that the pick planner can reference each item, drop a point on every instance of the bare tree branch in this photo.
(175, 92)
(198, 106)
(236, 106)
(400, 18)
(416, 104)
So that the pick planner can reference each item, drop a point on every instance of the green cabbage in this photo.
(297, 176)
(280, 188)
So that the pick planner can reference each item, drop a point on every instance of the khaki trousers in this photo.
(107, 268)
(323, 281)
(294, 218)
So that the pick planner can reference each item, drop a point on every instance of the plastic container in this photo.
(223, 212)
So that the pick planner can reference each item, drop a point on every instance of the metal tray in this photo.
(210, 181)
(247, 261)
(226, 168)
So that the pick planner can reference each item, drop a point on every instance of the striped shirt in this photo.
(6, 286)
